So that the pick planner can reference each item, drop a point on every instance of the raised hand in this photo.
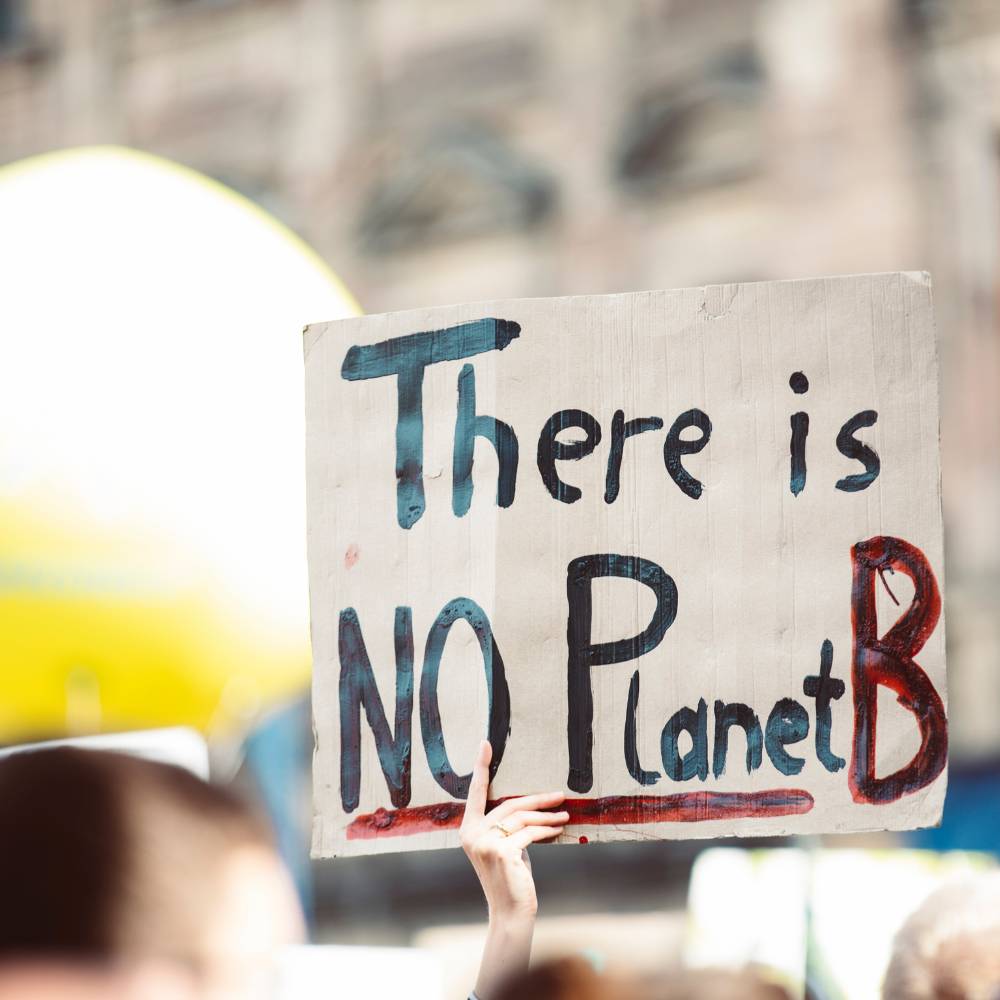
(496, 843)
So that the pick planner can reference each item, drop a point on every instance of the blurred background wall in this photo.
(440, 150)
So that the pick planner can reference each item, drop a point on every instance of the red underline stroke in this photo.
(619, 810)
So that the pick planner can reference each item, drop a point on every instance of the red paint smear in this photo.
(619, 810)
(351, 556)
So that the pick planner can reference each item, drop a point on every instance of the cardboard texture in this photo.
(706, 603)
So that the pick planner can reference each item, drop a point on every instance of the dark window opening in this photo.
(12, 22)
(698, 131)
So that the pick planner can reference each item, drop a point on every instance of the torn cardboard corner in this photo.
(676, 553)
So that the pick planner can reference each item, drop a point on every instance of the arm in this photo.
(496, 843)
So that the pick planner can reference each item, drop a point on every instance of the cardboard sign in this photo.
(678, 553)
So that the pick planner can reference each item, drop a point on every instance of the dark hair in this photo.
(576, 979)
(104, 855)
(570, 979)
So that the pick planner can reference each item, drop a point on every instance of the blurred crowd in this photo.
(125, 878)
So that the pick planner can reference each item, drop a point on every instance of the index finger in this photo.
(475, 802)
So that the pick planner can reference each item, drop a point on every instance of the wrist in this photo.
(507, 949)
(512, 919)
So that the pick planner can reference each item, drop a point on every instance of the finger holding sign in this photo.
(509, 806)
(521, 818)
(496, 843)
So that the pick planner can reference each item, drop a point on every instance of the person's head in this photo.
(570, 979)
(576, 979)
(949, 948)
(111, 859)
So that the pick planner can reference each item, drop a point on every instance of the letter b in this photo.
(889, 661)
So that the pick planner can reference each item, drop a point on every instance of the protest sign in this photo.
(678, 553)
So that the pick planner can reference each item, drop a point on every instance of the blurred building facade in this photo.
(438, 151)
(441, 151)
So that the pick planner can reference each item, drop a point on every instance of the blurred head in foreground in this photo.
(134, 878)
(576, 979)
(949, 949)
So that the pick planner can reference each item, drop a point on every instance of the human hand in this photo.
(496, 841)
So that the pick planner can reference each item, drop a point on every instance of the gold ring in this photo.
(503, 830)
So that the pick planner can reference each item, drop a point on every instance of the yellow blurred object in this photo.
(152, 512)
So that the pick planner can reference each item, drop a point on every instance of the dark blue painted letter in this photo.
(636, 769)
(825, 688)
(407, 357)
(551, 451)
(736, 714)
(357, 688)
(675, 446)
(800, 431)
(469, 426)
(583, 654)
(498, 694)
(694, 764)
(851, 447)
(787, 723)
(621, 431)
